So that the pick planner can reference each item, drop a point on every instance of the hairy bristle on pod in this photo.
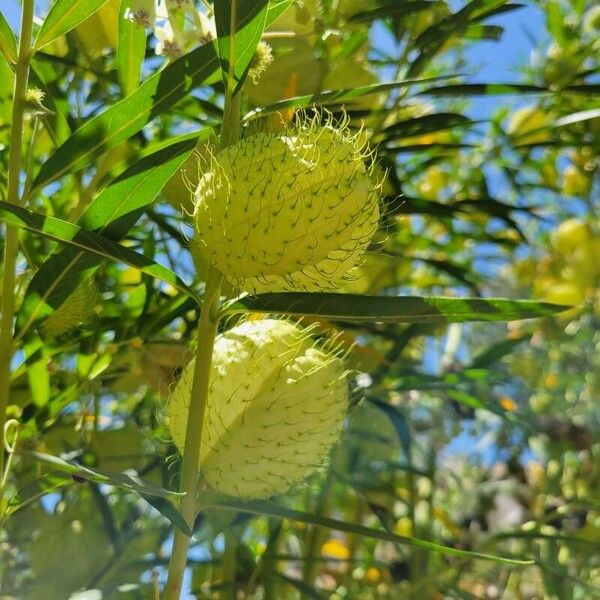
(276, 406)
(292, 211)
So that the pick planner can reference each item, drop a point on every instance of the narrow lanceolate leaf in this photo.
(501, 89)
(277, 8)
(125, 118)
(8, 43)
(168, 510)
(240, 25)
(111, 215)
(495, 9)
(497, 351)
(337, 97)
(269, 509)
(425, 124)
(392, 10)
(398, 420)
(80, 239)
(65, 15)
(578, 117)
(432, 40)
(128, 480)
(399, 309)
(308, 591)
(475, 31)
(131, 49)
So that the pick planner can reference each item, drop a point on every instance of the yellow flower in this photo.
(334, 548)
(508, 404)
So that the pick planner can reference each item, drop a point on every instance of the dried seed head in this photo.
(288, 212)
(276, 405)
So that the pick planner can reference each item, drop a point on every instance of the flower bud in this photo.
(263, 57)
(34, 102)
(288, 212)
(275, 407)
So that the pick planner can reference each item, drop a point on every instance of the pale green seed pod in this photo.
(275, 408)
(288, 212)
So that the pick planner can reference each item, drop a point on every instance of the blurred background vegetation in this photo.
(480, 437)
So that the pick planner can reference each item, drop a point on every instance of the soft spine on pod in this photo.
(292, 211)
(275, 408)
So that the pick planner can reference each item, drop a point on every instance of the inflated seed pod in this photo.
(288, 212)
(275, 408)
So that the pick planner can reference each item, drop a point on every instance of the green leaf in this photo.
(501, 89)
(166, 509)
(392, 10)
(578, 117)
(390, 309)
(467, 399)
(496, 351)
(425, 124)
(556, 25)
(482, 89)
(131, 49)
(307, 591)
(398, 420)
(89, 242)
(127, 480)
(336, 97)
(117, 208)
(277, 8)
(459, 273)
(498, 10)
(65, 15)
(585, 88)
(476, 31)
(39, 381)
(240, 25)
(8, 43)
(269, 509)
(433, 39)
(111, 214)
(125, 118)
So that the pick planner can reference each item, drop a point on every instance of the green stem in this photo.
(316, 536)
(228, 569)
(11, 243)
(269, 562)
(207, 331)
(230, 131)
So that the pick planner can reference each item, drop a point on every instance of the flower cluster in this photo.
(178, 25)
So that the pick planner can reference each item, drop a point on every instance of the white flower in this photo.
(168, 44)
(141, 12)
(179, 4)
(205, 29)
